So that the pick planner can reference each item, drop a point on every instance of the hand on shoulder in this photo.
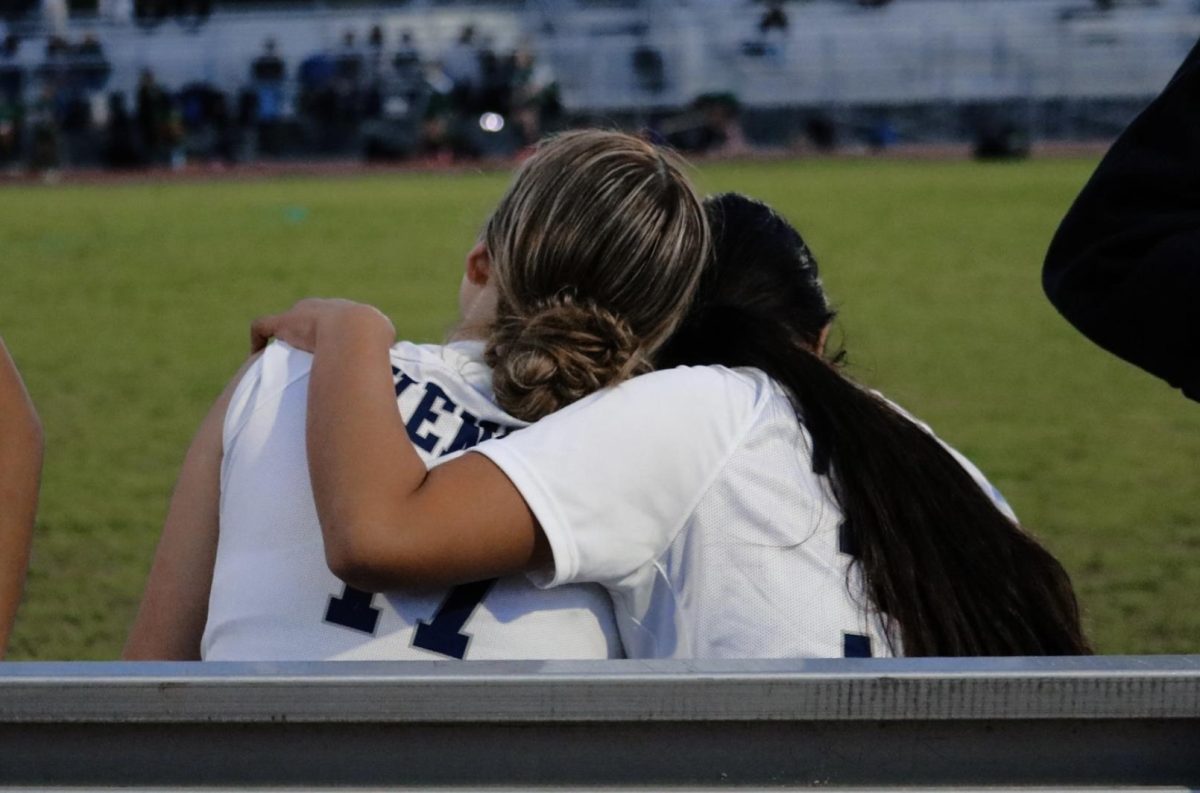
(301, 325)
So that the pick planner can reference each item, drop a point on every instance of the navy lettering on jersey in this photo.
(469, 434)
(443, 634)
(855, 645)
(403, 382)
(427, 412)
(353, 610)
(492, 430)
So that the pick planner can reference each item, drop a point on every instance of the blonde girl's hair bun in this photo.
(596, 251)
(561, 351)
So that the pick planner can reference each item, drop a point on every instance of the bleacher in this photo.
(952, 724)
(653, 54)
(904, 53)
(221, 50)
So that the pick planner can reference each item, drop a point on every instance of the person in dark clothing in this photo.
(775, 18)
(90, 47)
(407, 61)
(153, 117)
(11, 73)
(1124, 266)
(12, 108)
(268, 67)
(121, 149)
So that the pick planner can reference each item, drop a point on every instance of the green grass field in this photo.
(127, 308)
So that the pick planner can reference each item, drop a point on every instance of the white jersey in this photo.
(690, 495)
(273, 596)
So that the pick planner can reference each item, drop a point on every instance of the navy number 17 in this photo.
(442, 634)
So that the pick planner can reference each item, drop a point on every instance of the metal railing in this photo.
(650, 724)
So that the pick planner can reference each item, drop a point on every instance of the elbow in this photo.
(350, 547)
(352, 568)
(347, 560)
(1050, 281)
(1055, 269)
(361, 562)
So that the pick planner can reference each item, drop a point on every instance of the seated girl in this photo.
(600, 237)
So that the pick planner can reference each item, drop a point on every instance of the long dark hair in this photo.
(950, 571)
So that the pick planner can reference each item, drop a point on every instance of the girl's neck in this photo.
(468, 331)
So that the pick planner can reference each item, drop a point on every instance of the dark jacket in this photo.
(1124, 267)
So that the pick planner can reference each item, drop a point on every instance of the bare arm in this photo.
(386, 520)
(170, 621)
(21, 447)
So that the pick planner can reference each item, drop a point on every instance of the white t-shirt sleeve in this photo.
(614, 477)
(984, 483)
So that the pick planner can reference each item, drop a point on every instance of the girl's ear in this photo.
(824, 337)
(479, 265)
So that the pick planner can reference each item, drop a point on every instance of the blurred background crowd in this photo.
(365, 96)
(167, 83)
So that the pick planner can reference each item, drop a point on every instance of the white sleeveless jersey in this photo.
(273, 596)
(691, 495)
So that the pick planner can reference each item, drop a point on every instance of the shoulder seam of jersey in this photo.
(740, 438)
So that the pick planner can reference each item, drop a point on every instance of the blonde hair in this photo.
(596, 249)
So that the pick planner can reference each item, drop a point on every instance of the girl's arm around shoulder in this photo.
(613, 478)
(388, 522)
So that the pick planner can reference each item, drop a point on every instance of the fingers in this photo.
(261, 331)
(298, 325)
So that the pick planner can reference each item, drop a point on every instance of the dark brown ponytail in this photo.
(953, 574)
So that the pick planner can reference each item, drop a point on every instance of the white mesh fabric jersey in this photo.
(274, 598)
(690, 495)
(771, 580)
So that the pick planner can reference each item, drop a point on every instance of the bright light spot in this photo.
(395, 107)
(491, 122)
